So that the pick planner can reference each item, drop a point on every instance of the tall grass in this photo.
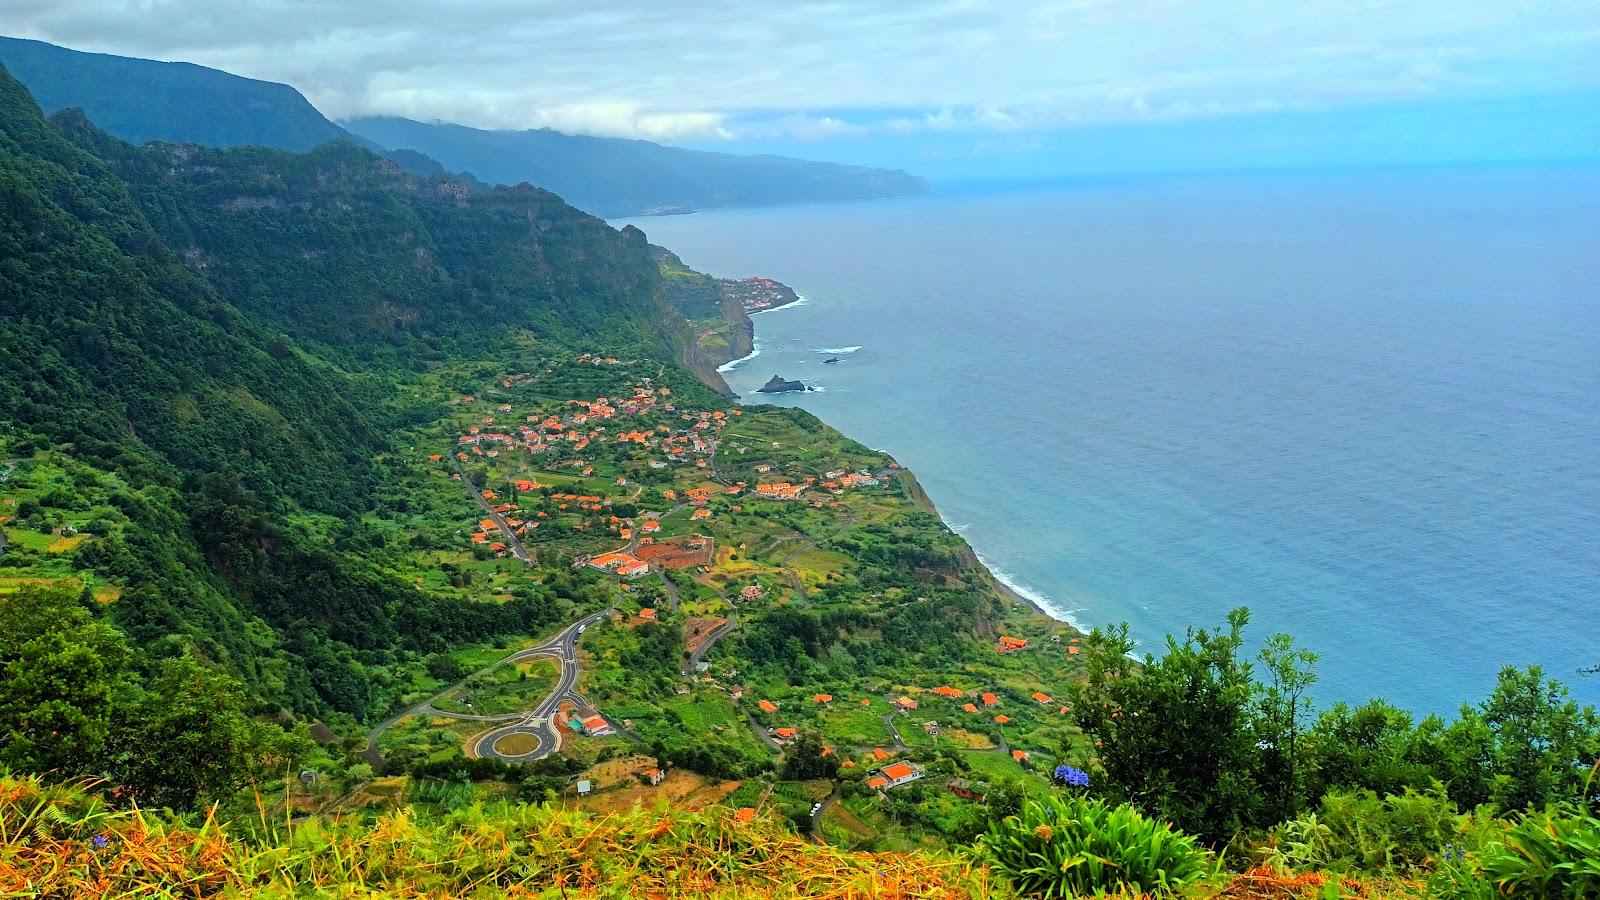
(62, 842)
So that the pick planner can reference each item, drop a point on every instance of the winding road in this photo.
(562, 648)
(540, 723)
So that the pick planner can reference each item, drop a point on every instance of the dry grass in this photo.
(60, 842)
(1264, 883)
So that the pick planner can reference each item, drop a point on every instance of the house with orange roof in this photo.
(1009, 644)
(900, 773)
(596, 726)
(990, 700)
(524, 485)
(784, 734)
(1019, 755)
(1041, 698)
(848, 764)
(877, 782)
(634, 568)
(781, 490)
(906, 703)
(701, 514)
(435, 457)
(879, 754)
(487, 524)
(647, 614)
(969, 708)
(767, 706)
(945, 690)
(821, 698)
(1002, 719)
(480, 538)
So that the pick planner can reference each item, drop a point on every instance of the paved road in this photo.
(540, 723)
(820, 810)
(512, 541)
(566, 638)
(894, 733)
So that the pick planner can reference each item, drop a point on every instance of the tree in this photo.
(1174, 735)
(189, 739)
(1544, 743)
(63, 674)
(808, 758)
(1374, 746)
(1281, 710)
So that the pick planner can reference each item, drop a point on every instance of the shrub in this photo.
(1359, 830)
(1071, 846)
(1554, 854)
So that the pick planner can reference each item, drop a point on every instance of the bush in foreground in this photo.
(1551, 855)
(1071, 846)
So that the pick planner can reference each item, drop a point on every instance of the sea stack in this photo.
(779, 386)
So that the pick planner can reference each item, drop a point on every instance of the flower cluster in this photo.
(1074, 777)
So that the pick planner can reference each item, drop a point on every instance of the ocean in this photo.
(1365, 405)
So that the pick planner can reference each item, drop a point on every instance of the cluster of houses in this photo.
(757, 294)
(620, 563)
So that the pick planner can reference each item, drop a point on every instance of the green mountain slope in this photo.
(215, 465)
(113, 345)
(143, 100)
(340, 247)
(616, 177)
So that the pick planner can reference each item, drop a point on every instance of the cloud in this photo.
(810, 70)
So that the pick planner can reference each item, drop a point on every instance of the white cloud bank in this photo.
(819, 69)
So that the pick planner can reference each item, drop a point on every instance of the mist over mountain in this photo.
(617, 177)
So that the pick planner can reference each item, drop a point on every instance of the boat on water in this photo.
(831, 359)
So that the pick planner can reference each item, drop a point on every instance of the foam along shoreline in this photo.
(755, 351)
(1000, 580)
(1024, 594)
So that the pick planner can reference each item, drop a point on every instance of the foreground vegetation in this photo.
(57, 841)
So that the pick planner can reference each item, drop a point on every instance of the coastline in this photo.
(996, 580)
(755, 339)
(1018, 594)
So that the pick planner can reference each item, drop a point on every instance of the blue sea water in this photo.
(1365, 405)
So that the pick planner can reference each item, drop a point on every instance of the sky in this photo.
(948, 88)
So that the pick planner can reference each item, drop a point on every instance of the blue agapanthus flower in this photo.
(1072, 776)
(100, 841)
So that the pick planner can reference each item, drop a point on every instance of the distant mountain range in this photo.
(613, 176)
(141, 100)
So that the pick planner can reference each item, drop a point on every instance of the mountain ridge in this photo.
(143, 100)
(629, 176)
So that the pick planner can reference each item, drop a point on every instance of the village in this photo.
(702, 520)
